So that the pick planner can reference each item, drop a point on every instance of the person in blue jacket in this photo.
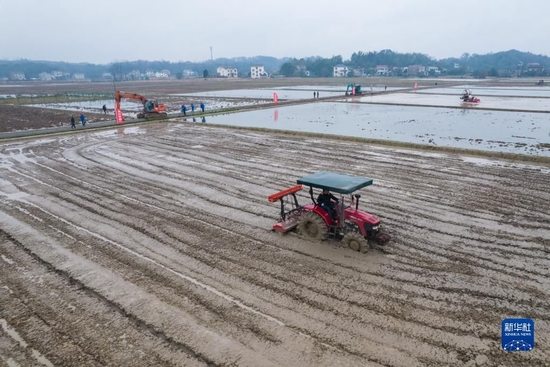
(202, 107)
(83, 119)
(184, 109)
(192, 107)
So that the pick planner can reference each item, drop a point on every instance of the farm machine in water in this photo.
(354, 227)
(353, 89)
(467, 97)
(151, 108)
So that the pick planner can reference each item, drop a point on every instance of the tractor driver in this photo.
(325, 201)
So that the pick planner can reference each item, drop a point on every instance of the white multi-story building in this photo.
(17, 75)
(258, 71)
(163, 74)
(433, 70)
(340, 71)
(382, 70)
(56, 74)
(227, 72)
(45, 76)
(79, 76)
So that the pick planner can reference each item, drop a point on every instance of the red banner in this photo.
(118, 115)
(275, 98)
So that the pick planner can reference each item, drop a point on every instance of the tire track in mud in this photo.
(269, 318)
(351, 351)
(400, 224)
(164, 341)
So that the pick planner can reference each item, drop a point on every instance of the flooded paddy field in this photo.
(150, 246)
(537, 104)
(263, 93)
(479, 90)
(522, 133)
(340, 88)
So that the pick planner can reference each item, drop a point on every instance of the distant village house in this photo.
(416, 70)
(190, 74)
(340, 71)
(535, 68)
(163, 74)
(433, 70)
(45, 76)
(17, 75)
(382, 70)
(258, 71)
(227, 72)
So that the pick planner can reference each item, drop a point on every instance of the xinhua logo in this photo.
(518, 335)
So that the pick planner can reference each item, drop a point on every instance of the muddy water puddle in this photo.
(524, 133)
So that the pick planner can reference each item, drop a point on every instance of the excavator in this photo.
(151, 108)
(355, 89)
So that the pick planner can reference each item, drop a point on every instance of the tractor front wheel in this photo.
(355, 241)
(312, 226)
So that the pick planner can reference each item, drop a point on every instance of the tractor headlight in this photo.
(375, 228)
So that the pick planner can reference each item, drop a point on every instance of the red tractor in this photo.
(346, 222)
(467, 97)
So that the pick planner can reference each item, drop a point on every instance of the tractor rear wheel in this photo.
(356, 242)
(312, 226)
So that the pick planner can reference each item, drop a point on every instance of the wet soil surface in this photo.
(14, 118)
(151, 246)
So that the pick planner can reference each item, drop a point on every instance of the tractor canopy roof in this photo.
(336, 182)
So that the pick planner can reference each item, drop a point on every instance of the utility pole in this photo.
(211, 55)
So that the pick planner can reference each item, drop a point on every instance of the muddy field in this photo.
(150, 246)
(14, 118)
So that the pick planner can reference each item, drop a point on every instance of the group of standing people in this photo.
(104, 108)
(82, 121)
(315, 94)
(184, 108)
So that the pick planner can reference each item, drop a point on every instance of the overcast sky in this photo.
(104, 31)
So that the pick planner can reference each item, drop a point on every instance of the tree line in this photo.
(505, 63)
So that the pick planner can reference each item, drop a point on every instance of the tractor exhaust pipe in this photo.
(357, 196)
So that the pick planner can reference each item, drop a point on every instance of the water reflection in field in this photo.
(526, 133)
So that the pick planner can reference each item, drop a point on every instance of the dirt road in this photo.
(150, 246)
